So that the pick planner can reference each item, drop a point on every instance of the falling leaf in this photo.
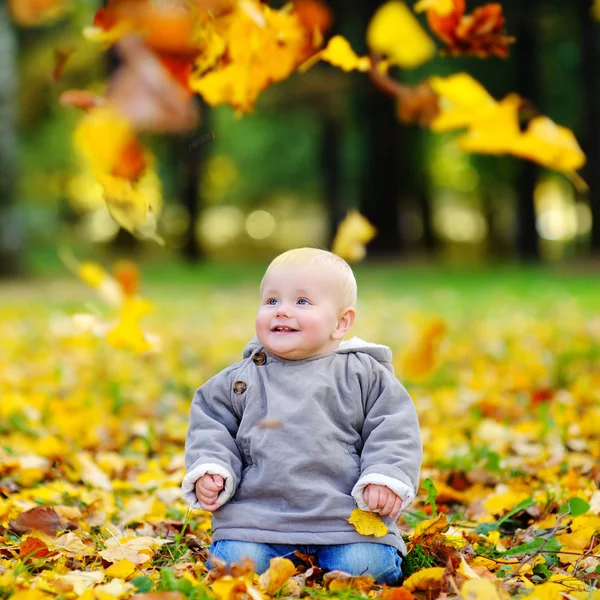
(440, 7)
(480, 33)
(420, 358)
(276, 576)
(353, 233)
(33, 13)
(396, 33)
(551, 145)
(463, 100)
(339, 53)
(367, 523)
(128, 333)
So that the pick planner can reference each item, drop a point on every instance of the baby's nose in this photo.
(283, 310)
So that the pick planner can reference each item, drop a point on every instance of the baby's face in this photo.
(299, 313)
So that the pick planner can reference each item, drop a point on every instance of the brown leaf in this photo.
(418, 104)
(340, 580)
(41, 518)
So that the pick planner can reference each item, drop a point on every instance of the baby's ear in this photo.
(345, 321)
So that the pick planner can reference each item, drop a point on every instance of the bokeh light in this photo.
(260, 224)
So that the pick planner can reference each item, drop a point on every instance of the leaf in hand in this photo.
(367, 523)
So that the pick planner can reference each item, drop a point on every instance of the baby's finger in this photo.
(396, 509)
(389, 504)
(210, 484)
(373, 498)
(219, 481)
(210, 507)
(208, 497)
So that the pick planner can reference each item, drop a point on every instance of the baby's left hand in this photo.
(382, 500)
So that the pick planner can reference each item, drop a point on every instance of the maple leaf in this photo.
(395, 33)
(480, 33)
(367, 523)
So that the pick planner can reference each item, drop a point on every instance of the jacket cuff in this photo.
(188, 486)
(405, 492)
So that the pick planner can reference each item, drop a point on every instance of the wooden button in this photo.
(239, 387)
(260, 358)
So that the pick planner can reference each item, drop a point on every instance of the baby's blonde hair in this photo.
(315, 258)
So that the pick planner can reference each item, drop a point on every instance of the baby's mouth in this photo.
(283, 329)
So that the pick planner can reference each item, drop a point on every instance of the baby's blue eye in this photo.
(303, 301)
(272, 301)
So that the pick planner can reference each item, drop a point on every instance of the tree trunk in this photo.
(11, 236)
(331, 169)
(590, 67)
(528, 86)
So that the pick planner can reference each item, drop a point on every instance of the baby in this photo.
(284, 444)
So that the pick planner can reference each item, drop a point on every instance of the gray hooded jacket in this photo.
(297, 441)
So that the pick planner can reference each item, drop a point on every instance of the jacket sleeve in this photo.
(392, 450)
(210, 445)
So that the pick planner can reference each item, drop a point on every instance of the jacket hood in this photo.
(380, 353)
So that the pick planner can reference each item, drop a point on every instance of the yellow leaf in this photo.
(420, 358)
(339, 53)
(429, 526)
(128, 333)
(275, 577)
(501, 503)
(122, 569)
(497, 131)
(395, 32)
(551, 145)
(479, 589)
(353, 233)
(465, 570)
(463, 100)
(424, 579)
(367, 523)
(440, 7)
(134, 205)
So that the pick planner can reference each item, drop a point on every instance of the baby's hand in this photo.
(207, 490)
(382, 500)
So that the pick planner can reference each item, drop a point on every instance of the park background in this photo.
(482, 278)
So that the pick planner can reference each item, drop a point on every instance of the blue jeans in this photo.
(379, 560)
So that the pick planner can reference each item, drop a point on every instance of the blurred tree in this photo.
(590, 71)
(527, 65)
(11, 240)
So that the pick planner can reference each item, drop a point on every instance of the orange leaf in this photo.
(480, 33)
(131, 163)
(80, 99)
(313, 15)
(33, 547)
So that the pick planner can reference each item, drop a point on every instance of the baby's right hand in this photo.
(207, 490)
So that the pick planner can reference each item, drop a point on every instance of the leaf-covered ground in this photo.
(507, 388)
